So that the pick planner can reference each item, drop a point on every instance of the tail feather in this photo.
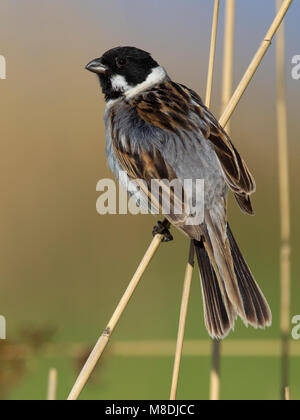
(244, 202)
(218, 249)
(258, 313)
(218, 311)
(222, 300)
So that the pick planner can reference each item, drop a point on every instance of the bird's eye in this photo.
(121, 62)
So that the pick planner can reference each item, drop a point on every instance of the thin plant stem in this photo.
(215, 378)
(227, 84)
(182, 321)
(104, 339)
(52, 385)
(212, 53)
(228, 61)
(265, 45)
(190, 263)
(283, 164)
(287, 394)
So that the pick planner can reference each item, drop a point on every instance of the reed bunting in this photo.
(157, 129)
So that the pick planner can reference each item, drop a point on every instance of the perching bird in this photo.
(157, 130)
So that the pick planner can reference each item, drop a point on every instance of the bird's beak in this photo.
(96, 66)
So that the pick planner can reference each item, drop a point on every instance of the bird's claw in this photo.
(162, 228)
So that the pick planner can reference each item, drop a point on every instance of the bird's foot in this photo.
(162, 228)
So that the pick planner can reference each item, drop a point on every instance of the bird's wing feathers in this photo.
(176, 108)
(237, 174)
(146, 167)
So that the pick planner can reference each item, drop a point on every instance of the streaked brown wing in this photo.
(170, 106)
(238, 176)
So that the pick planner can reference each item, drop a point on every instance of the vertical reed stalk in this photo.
(228, 55)
(257, 59)
(52, 385)
(182, 321)
(228, 65)
(215, 377)
(287, 394)
(283, 162)
(190, 264)
(212, 53)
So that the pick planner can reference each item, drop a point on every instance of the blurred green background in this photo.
(63, 267)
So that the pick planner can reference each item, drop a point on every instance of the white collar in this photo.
(157, 75)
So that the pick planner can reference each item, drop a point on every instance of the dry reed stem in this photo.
(228, 63)
(255, 63)
(228, 55)
(103, 341)
(287, 394)
(215, 380)
(100, 346)
(190, 264)
(182, 321)
(283, 163)
(215, 373)
(212, 53)
(52, 385)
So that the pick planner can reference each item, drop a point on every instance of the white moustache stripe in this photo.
(157, 75)
(119, 83)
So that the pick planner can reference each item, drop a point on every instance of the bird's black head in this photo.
(122, 69)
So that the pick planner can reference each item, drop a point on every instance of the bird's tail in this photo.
(229, 289)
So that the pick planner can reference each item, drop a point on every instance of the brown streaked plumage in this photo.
(170, 112)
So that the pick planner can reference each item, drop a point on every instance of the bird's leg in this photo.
(162, 228)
